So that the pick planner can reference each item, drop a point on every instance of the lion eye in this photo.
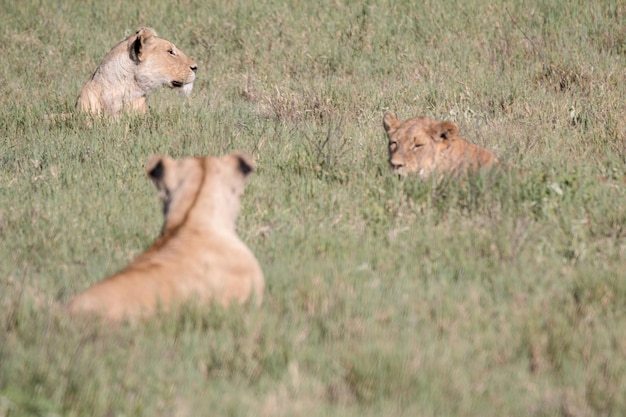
(171, 52)
(393, 146)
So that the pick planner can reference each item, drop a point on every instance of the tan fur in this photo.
(424, 146)
(198, 255)
(131, 69)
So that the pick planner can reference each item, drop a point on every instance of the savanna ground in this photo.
(503, 295)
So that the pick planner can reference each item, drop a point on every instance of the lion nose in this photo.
(396, 165)
(194, 68)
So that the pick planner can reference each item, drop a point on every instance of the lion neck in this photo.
(116, 74)
(201, 215)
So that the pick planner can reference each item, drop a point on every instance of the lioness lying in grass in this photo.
(131, 69)
(422, 145)
(198, 255)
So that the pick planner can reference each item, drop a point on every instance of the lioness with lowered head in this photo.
(198, 255)
(131, 69)
(424, 146)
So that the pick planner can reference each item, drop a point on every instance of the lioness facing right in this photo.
(130, 70)
(198, 255)
(424, 146)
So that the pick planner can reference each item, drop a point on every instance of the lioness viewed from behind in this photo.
(198, 255)
(131, 69)
(424, 146)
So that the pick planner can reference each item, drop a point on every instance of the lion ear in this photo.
(136, 49)
(390, 123)
(245, 163)
(444, 130)
(155, 168)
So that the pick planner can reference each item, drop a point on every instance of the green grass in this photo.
(503, 295)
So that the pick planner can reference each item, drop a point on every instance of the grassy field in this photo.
(504, 295)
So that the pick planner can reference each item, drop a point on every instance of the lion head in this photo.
(209, 188)
(160, 63)
(422, 145)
